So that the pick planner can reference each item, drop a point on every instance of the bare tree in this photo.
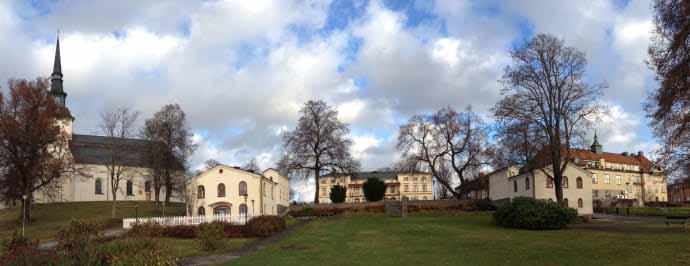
(34, 151)
(210, 163)
(318, 144)
(450, 144)
(516, 143)
(252, 166)
(669, 105)
(118, 125)
(545, 88)
(170, 147)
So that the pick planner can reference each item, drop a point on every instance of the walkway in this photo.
(113, 232)
(243, 251)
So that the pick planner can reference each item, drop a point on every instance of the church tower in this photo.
(596, 147)
(58, 93)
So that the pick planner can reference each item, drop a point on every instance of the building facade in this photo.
(233, 191)
(508, 183)
(679, 192)
(399, 185)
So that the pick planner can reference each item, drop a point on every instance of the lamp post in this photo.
(24, 197)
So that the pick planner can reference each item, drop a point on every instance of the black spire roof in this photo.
(56, 89)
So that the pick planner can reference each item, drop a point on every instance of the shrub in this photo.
(211, 236)
(374, 189)
(264, 226)
(179, 231)
(528, 213)
(17, 241)
(147, 229)
(76, 242)
(135, 251)
(483, 205)
(233, 230)
(338, 194)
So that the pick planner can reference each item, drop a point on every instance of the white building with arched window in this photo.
(236, 192)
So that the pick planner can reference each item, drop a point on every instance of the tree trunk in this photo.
(316, 181)
(157, 193)
(113, 211)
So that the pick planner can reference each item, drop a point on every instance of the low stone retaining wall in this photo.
(396, 208)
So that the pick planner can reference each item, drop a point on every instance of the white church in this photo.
(220, 190)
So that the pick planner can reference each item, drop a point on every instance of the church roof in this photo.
(90, 149)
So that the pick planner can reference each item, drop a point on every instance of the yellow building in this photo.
(621, 176)
(399, 185)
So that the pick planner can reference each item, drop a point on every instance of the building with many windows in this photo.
(600, 179)
(399, 185)
(225, 190)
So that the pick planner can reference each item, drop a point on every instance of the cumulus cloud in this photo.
(242, 69)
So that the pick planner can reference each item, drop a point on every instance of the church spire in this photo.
(596, 147)
(56, 89)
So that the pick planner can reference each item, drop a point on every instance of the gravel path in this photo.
(243, 251)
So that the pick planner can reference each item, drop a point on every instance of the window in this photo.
(565, 202)
(565, 182)
(99, 186)
(220, 171)
(423, 178)
(594, 179)
(323, 181)
(407, 188)
(243, 188)
(243, 209)
(323, 191)
(221, 190)
(147, 186)
(130, 189)
(579, 203)
(607, 179)
(356, 199)
(515, 185)
(406, 178)
(424, 187)
(415, 188)
(200, 192)
(527, 186)
(201, 211)
(578, 182)
(596, 193)
(618, 180)
(549, 182)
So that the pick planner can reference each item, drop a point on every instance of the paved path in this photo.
(113, 232)
(243, 251)
(632, 218)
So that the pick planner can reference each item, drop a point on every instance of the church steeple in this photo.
(56, 89)
(596, 147)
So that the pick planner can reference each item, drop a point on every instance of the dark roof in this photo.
(89, 149)
(373, 174)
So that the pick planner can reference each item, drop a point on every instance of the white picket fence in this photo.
(186, 220)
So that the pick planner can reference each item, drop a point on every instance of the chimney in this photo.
(640, 153)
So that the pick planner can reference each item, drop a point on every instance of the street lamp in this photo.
(24, 197)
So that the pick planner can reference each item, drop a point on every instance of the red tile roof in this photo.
(587, 155)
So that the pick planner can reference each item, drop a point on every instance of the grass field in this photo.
(49, 218)
(472, 239)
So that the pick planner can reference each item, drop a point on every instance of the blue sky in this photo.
(242, 69)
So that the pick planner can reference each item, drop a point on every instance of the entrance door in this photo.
(221, 210)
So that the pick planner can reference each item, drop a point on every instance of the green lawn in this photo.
(49, 218)
(472, 239)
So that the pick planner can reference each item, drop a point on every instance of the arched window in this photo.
(578, 182)
(565, 182)
(565, 202)
(579, 203)
(130, 189)
(549, 182)
(200, 192)
(243, 209)
(147, 186)
(527, 186)
(243, 188)
(201, 211)
(99, 186)
(221, 190)
(515, 185)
